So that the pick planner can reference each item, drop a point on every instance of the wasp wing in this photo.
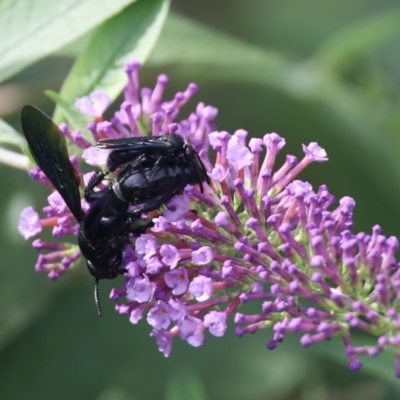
(136, 143)
(49, 149)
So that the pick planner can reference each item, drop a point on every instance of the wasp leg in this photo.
(90, 194)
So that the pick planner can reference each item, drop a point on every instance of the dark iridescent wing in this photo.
(137, 143)
(49, 149)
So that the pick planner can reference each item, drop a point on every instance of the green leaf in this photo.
(187, 43)
(9, 135)
(361, 37)
(32, 30)
(183, 385)
(127, 36)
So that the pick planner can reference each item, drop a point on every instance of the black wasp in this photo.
(143, 173)
(166, 164)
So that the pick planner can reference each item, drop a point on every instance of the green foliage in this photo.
(32, 31)
(112, 45)
(311, 71)
(9, 135)
(184, 385)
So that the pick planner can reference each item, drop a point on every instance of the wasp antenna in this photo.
(201, 172)
(96, 297)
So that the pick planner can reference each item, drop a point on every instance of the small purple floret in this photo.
(201, 288)
(177, 280)
(29, 223)
(216, 323)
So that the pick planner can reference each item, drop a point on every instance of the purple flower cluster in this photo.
(255, 235)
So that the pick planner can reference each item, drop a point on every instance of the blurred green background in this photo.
(311, 70)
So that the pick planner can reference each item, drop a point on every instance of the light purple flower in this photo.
(191, 329)
(153, 265)
(95, 157)
(140, 289)
(160, 224)
(177, 207)
(164, 341)
(201, 288)
(238, 155)
(215, 321)
(29, 223)
(56, 205)
(273, 141)
(177, 280)
(176, 309)
(315, 152)
(202, 256)
(146, 245)
(95, 104)
(255, 145)
(299, 189)
(170, 255)
(218, 173)
(221, 219)
(218, 139)
(136, 315)
(133, 269)
(158, 316)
